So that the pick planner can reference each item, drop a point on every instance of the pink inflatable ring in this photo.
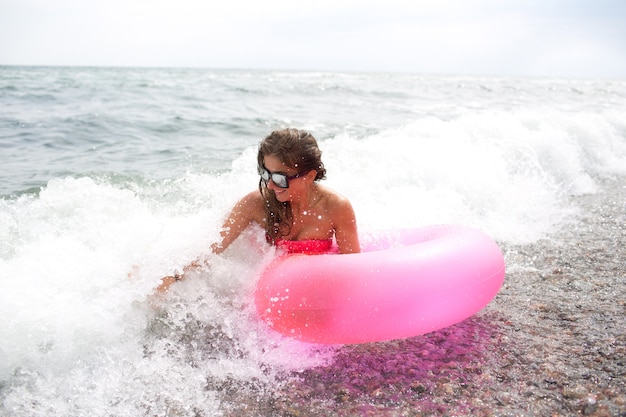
(404, 283)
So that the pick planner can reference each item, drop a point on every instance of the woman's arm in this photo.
(346, 232)
(250, 208)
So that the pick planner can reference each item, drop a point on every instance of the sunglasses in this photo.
(280, 180)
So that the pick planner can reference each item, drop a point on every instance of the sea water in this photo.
(115, 177)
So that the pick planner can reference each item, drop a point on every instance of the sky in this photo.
(538, 38)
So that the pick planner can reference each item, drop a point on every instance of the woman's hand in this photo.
(167, 281)
(170, 279)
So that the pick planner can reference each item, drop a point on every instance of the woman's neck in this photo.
(308, 200)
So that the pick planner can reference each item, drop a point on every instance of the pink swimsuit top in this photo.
(308, 247)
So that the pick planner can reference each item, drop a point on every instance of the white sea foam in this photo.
(81, 334)
(506, 172)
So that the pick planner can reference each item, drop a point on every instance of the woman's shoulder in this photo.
(253, 197)
(333, 199)
(252, 203)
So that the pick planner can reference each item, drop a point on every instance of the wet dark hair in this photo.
(297, 149)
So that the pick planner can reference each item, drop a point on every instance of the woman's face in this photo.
(297, 186)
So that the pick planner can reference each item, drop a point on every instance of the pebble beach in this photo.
(552, 343)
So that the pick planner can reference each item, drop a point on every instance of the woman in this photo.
(298, 213)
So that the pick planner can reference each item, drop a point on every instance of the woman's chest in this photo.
(313, 224)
